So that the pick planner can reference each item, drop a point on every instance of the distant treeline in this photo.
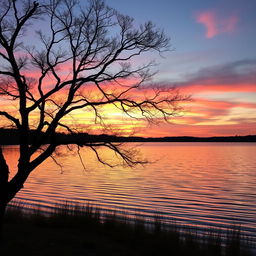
(11, 137)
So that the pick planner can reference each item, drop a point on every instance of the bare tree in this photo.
(82, 60)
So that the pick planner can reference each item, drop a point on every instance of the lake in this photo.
(198, 184)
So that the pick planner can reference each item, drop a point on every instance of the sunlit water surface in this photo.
(201, 184)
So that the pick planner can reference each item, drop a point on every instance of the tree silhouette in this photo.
(82, 59)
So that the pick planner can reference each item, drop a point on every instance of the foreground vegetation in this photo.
(84, 230)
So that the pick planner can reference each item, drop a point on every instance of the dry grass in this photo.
(73, 229)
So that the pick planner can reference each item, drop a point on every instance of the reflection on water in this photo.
(193, 183)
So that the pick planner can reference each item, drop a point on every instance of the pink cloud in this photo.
(208, 19)
(216, 25)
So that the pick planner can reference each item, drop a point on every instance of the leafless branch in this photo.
(80, 62)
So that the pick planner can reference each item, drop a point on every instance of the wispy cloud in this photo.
(215, 24)
(230, 111)
(238, 76)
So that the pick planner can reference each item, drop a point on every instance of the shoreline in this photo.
(11, 137)
(73, 229)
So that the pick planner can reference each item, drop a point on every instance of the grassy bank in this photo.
(84, 230)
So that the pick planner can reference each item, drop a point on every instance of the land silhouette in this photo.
(86, 230)
(11, 137)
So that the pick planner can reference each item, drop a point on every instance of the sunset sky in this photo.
(213, 59)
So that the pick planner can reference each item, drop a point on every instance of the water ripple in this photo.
(200, 184)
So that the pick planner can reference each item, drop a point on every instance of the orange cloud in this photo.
(241, 129)
(216, 25)
(204, 116)
(205, 111)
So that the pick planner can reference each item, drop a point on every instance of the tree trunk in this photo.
(2, 214)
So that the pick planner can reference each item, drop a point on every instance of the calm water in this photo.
(198, 184)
